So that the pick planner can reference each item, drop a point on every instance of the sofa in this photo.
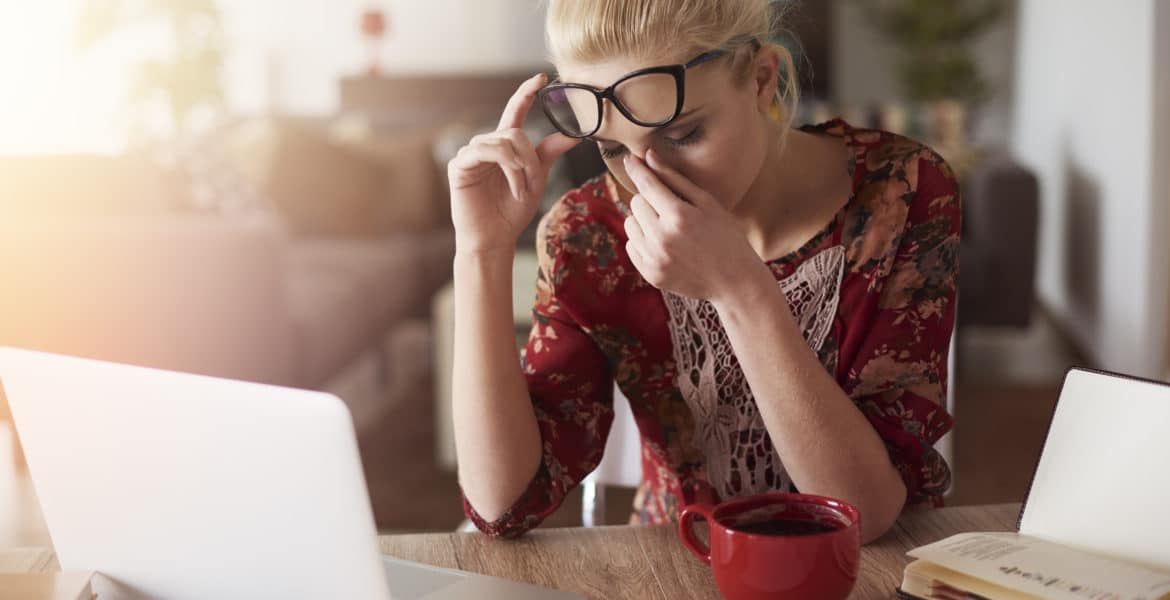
(111, 258)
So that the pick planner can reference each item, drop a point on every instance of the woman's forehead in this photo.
(602, 74)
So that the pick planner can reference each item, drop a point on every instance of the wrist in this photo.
(483, 264)
(743, 293)
(469, 255)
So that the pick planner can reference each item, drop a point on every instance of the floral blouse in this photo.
(873, 292)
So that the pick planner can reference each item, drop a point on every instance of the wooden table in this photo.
(632, 562)
(649, 562)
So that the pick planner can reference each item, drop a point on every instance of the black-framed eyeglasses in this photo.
(651, 97)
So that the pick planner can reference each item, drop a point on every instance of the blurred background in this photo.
(256, 189)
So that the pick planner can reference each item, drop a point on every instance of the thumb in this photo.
(553, 147)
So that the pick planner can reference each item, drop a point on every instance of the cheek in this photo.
(718, 168)
(717, 165)
(733, 164)
(618, 170)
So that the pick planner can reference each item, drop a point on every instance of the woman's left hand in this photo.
(681, 239)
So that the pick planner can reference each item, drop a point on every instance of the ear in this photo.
(766, 77)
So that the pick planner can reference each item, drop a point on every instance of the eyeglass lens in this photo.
(650, 98)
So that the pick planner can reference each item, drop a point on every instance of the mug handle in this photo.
(686, 529)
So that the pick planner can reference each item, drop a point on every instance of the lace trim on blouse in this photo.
(729, 430)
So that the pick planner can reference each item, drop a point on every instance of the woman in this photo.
(776, 303)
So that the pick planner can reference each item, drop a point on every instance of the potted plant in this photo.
(936, 67)
(185, 78)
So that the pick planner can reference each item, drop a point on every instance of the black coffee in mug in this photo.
(784, 527)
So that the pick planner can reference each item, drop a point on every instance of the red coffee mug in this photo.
(753, 566)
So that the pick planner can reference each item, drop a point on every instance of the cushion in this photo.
(326, 187)
(415, 195)
(334, 321)
(343, 293)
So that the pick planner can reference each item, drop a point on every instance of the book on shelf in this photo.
(1096, 521)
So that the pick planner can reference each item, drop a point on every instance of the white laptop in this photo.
(173, 485)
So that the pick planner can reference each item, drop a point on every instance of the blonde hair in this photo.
(588, 31)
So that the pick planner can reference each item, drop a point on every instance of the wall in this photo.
(1160, 246)
(317, 42)
(289, 56)
(1085, 120)
(44, 76)
(864, 63)
(286, 55)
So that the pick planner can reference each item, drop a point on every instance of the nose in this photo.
(614, 126)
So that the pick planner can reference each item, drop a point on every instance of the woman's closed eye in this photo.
(610, 153)
(694, 135)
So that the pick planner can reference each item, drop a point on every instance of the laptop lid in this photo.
(183, 486)
(1103, 481)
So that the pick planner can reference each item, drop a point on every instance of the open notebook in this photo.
(1103, 482)
(1097, 516)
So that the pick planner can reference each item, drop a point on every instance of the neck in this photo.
(787, 203)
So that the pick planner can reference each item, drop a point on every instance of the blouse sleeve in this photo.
(571, 387)
(900, 376)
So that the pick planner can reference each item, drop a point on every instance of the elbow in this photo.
(498, 526)
(511, 513)
(484, 514)
(881, 512)
(874, 529)
(502, 533)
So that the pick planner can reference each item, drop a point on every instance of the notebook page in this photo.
(1043, 569)
(1103, 482)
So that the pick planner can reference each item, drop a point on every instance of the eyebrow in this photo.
(680, 117)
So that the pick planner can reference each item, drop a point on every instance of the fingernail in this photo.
(652, 157)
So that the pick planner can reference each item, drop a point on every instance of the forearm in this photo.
(496, 436)
(826, 444)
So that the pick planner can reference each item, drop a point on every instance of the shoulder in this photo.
(890, 157)
(584, 227)
(903, 186)
(893, 173)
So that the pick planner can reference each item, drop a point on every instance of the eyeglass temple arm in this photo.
(713, 54)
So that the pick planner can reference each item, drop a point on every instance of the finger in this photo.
(634, 231)
(680, 184)
(517, 183)
(640, 260)
(521, 102)
(644, 213)
(527, 154)
(501, 156)
(665, 202)
(553, 147)
(487, 150)
(516, 141)
(636, 257)
(513, 169)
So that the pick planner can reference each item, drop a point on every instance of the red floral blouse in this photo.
(873, 292)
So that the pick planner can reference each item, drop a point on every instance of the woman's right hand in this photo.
(498, 178)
